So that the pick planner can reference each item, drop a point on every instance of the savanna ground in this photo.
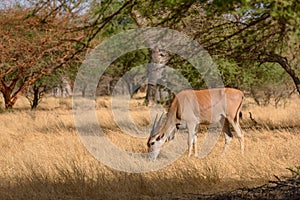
(42, 157)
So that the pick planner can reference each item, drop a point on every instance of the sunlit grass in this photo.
(42, 157)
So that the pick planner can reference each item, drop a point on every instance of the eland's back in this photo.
(208, 105)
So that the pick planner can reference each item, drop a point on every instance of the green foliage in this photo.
(193, 76)
(128, 61)
(189, 72)
(285, 11)
(119, 23)
(247, 75)
(230, 72)
(238, 75)
(48, 81)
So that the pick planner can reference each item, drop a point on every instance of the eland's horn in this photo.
(153, 126)
(159, 121)
(156, 124)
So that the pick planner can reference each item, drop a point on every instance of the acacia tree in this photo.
(254, 32)
(40, 37)
(33, 43)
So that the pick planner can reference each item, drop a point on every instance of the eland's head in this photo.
(159, 135)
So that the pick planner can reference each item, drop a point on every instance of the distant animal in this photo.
(190, 108)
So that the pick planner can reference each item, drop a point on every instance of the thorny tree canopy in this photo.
(43, 36)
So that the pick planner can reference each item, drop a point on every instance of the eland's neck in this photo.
(169, 127)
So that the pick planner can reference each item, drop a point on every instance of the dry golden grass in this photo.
(283, 117)
(42, 157)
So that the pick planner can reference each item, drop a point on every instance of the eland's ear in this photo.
(159, 137)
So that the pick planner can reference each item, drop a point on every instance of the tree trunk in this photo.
(150, 95)
(36, 98)
(156, 73)
(8, 100)
(10, 97)
(286, 66)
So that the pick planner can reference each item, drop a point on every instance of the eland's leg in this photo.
(192, 138)
(228, 135)
(195, 141)
(239, 133)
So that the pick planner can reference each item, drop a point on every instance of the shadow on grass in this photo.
(139, 186)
